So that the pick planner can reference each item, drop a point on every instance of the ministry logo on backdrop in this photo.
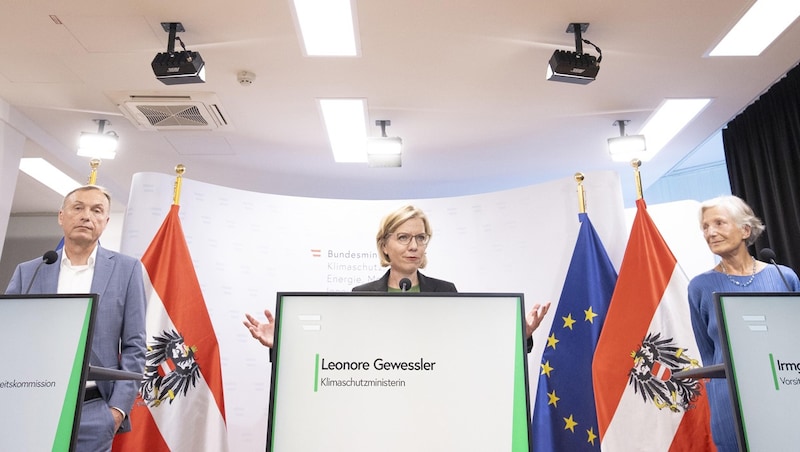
(170, 369)
(652, 375)
(347, 268)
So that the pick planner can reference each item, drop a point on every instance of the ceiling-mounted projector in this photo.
(574, 67)
(175, 68)
(179, 67)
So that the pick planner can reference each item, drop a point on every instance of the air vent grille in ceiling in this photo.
(190, 112)
(172, 115)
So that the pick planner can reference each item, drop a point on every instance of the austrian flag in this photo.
(180, 405)
(647, 337)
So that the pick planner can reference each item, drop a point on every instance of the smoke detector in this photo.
(245, 78)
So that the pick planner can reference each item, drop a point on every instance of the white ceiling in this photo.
(461, 81)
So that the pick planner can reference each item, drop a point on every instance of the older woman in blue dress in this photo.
(729, 227)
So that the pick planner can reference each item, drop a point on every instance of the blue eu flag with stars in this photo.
(564, 417)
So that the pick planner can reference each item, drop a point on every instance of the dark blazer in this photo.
(426, 284)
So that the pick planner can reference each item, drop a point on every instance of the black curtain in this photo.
(762, 150)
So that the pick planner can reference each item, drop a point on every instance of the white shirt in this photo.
(76, 278)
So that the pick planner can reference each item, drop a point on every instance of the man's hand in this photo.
(118, 418)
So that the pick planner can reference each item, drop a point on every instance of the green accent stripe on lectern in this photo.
(519, 440)
(774, 374)
(69, 406)
(276, 366)
(316, 373)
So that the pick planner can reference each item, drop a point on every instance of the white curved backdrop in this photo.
(247, 246)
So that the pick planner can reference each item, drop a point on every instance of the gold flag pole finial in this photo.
(581, 193)
(176, 197)
(636, 163)
(94, 163)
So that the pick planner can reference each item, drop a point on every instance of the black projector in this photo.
(572, 67)
(179, 68)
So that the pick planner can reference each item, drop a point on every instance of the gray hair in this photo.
(87, 188)
(740, 212)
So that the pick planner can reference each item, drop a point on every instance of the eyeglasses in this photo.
(405, 239)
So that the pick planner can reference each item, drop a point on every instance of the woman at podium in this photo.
(402, 241)
(729, 227)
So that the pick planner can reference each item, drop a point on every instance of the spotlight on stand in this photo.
(100, 145)
(384, 151)
(574, 67)
(176, 68)
(626, 147)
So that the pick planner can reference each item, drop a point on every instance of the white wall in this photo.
(11, 145)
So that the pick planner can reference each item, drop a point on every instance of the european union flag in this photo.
(564, 417)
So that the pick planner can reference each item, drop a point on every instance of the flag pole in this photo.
(176, 197)
(94, 163)
(581, 193)
(636, 163)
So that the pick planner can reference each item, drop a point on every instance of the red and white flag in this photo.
(647, 337)
(180, 405)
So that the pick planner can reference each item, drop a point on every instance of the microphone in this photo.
(768, 255)
(405, 284)
(48, 258)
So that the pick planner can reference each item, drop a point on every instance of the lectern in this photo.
(47, 342)
(398, 372)
(760, 337)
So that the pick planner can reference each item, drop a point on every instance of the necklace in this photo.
(731, 279)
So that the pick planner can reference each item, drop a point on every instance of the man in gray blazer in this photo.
(83, 266)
